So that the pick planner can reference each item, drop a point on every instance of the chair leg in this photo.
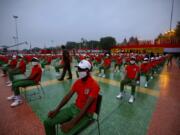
(39, 91)
(22, 91)
(98, 126)
(25, 94)
(42, 89)
(39, 88)
(56, 127)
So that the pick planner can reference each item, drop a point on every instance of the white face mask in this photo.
(145, 61)
(88, 59)
(34, 63)
(132, 62)
(82, 74)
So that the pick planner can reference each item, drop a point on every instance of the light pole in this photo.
(16, 29)
(171, 15)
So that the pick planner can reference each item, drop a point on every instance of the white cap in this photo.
(145, 59)
(107, 54)
(20, 55)
(157, 58)
(133, 57)
(35, 59)
(83, 64)
(152, 58)
(14, 56)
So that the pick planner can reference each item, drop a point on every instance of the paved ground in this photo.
(155, 111)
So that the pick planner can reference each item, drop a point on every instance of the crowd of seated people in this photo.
(132, 65)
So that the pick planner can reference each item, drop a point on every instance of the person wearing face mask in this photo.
(20, 69)
(145, 70)
(130, 77)
(74, 117)
(33, 79)
(3, 60)
(87, 57)
(152, 66)
(9, 66)
(105, 66)
(118, 63)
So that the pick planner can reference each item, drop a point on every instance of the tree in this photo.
(133, 40)
(93, 44)
(36, 49)
(177, 32)
(107, 42)
(70, 45)
(124, 41)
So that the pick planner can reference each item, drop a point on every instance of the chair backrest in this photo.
(98, 104)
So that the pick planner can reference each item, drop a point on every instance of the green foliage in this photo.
(124, 41)
(36, 49)
(177, 33)
(93, 44)
(133, 40)
(107, 42)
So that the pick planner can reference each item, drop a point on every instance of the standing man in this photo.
(67, 64)
(76, 116)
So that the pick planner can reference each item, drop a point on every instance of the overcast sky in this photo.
(52, 22)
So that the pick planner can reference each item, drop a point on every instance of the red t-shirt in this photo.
(98, 59)
(36, 73)
(132, 70)
(90, 88)
(49, 59)
(118, 60)
(152, 64)
(22, 66)
(28, 58)
(81, 57)
(127, 59)
(13, 63)
(4, 59)
(145, 67)
(61, 62)
(107, 62)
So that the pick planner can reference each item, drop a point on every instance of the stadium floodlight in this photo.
(170, 27)
(16, 29)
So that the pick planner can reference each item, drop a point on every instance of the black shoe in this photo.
(61, 79)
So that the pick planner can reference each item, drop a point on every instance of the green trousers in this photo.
(12, 73)
(130, 82)
(146, 75)
(65, 115)
(117, 65)
(105, 69)
(43, 64)
(58, 67)
(21, 83)
(95, 63)
(5, 68)
(2, 63)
